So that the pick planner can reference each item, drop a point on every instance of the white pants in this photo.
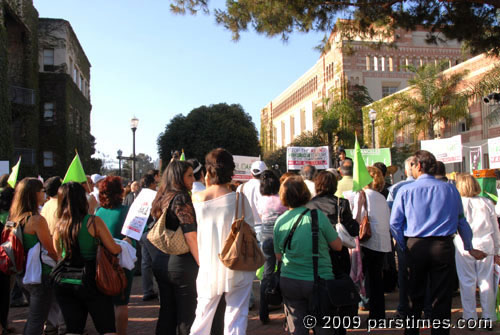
(472, 273)
(236, 316)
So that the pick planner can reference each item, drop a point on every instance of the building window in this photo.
(48, 159)
(391, 65)
(292, 128)
(382, 64)
(388, 90)
(70, 70)
(81, 82)
(367, 63)
(75, 74)
(49, 112)
(463, 126)
(48, 59)
(375, 63)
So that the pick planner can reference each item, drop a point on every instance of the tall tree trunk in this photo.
(430, 125)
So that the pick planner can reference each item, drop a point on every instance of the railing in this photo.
(21, 95)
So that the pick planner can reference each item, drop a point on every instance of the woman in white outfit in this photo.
(215, 209)
(480, 213)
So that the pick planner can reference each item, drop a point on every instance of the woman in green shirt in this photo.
(28, 197)
(113, 213)
(297, 277)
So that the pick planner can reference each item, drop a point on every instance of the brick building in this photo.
(44, 92)
(381, 70)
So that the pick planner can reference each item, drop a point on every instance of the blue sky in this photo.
(153, 64)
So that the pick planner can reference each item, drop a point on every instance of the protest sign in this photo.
(446, 150)
(371, 156)
(242, 167)
(494, 152)
(138, 214)
(476, 160)
(297, 157)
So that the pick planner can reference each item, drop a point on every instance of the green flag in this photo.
(75, 172)
(360, 177)
(183, 158)
(13, 175)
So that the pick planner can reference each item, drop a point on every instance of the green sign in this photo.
(371, 156)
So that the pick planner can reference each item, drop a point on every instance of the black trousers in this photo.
(373, 262)
(4, 298)
(431, 262)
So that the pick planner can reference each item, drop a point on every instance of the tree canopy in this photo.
(206, 128)
(476, 22)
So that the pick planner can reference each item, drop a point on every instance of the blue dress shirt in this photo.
(393, 190)
(429, 207)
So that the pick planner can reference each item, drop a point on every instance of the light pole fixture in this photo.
(119, 157)
(372, 114)
(133, 125)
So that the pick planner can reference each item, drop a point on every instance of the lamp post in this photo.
(133, 125)
(372, 114)
(119, 157)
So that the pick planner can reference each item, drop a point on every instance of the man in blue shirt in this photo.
(425, 216)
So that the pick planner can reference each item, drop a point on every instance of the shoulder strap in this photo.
(315, 248)
(338, 210)
(239, 198)
(288, 240)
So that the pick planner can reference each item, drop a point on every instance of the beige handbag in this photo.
(241, 250)
(168, 241)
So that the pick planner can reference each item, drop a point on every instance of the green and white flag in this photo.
(360, 177)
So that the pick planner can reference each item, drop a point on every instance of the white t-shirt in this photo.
(251, 190)
(197, 187)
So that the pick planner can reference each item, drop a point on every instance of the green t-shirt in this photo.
(297, 261)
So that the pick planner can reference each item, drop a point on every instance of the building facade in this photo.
(64, 98)
(44, 92)
(382, 70)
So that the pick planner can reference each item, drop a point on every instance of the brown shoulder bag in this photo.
(110, 277)
(365, 230)
(241, 250)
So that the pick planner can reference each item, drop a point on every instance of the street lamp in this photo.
(372, 114)
(133, 125)
(119, 157)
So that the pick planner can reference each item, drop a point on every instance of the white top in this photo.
(197, 187)
(252, 192)
(481, 216)
(311, 187)
(214, 218)
(379, 215)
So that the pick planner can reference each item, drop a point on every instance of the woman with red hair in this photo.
(113, 213)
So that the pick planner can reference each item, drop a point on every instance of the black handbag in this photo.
(341, 291)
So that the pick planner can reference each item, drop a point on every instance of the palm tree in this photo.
(433, 97)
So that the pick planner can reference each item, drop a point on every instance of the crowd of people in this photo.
(307, 226)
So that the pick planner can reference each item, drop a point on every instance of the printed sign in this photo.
(475, 161)
(296, 157)
(4, 167)
(371, 156)
(447, 150)
(494, 152)
(242, 169)
(138, 214)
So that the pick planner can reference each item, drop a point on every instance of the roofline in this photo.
(68, 24)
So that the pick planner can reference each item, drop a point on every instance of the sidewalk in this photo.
(143, 315)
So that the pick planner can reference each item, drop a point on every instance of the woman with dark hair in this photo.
(297, 279)
(6, 196)
(176, 274)
(199, 175)
(375, 248)
(269, 208)
(76, 235)
(215, 213)
(338, 211)
(113, 213)
(28, 197)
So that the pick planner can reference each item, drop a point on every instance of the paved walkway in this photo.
(143, 315)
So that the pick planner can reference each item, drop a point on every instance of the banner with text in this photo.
(138, 214)
(446, 150)
(371, 156)
(242, 169)
(296, 157)
(494, 152)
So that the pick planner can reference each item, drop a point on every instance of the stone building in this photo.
(64, 98)
(382, 70)
(44, 92)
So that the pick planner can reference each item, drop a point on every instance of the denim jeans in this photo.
(40, 298)
(146, 268)
(269, 266)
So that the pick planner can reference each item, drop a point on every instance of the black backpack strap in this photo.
(288, 240)
(315, 248)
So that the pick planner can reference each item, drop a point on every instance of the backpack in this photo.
(12, 255)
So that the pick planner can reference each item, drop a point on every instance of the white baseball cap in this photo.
(258, 167)
(96, 178)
